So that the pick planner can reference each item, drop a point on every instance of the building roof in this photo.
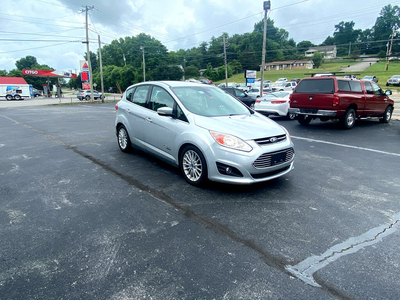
(322, 48)
(12, 80)
(289, 62)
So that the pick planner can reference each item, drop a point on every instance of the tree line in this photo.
(122, 59)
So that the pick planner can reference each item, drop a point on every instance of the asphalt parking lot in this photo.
(82, 220)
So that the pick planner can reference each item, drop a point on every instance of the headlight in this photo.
(231, 141)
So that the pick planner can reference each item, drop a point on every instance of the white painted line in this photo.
(343, 145)
(305, 270)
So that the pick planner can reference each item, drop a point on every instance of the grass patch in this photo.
(378, 69)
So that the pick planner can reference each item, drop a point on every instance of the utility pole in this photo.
(390, 52)
(184, 67)
(88, 53)
(144, 65)
(349, 49)
(267, 6)
(101, 72)
(226, 68)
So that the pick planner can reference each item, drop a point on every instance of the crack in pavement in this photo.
(306, 269)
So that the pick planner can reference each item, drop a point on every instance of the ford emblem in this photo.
(273, 139)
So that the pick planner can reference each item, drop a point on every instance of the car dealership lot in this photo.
(82, 220)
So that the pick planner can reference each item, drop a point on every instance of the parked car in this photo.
(280, 80)
(371, 77)
(242, 96)
(36, 93)
(276, 104)
(206, 81)
(340, 99)
(350, 76)
(85, 95)
(394, 80)
(297, 80)
(255, 92)
(284, 86)
(204, 131)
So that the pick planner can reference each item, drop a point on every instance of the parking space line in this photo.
(343, 145)
(306, 269)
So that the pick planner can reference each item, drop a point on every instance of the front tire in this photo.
(193, 166)
(387, 116)
(87, 98)
(9, 97)
(124, 142)
(349, 119)
(303, 119)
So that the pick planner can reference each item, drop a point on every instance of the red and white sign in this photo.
(48, 73)
(84, 66)
(85, 76)
(85, 86)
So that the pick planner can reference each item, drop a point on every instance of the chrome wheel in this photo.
(124, 142)
(349, 119)
(192, 166)
(387, 115)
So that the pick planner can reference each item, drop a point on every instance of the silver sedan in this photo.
(204, 131)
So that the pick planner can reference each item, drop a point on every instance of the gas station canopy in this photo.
(49, 73)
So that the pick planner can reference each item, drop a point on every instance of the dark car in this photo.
(242, 96)
(297, 80)
(36, 93)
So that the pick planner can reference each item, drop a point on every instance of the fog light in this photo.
(228, 170)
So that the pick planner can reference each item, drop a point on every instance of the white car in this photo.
(277, 104)
(284, 86)
(255, 92)
(280, 80)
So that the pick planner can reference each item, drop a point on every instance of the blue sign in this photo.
(250, 80)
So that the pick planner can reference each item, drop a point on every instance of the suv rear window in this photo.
(320, 86)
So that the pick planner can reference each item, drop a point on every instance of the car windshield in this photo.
(368, 77)
(209, 101)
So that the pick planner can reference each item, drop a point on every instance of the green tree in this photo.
(192, 72)
(387, 23)
(3, 73)
(235, 66)
(317, 59)
(26, 63)
(345, 34)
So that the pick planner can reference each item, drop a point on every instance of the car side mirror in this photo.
(388, 92)
(165, 111)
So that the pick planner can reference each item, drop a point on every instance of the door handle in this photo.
(149, 120)
(127, 110)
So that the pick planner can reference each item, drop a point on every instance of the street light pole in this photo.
(88, 55)
(267, 6)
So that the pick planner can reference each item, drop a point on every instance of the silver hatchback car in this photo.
(204, 131)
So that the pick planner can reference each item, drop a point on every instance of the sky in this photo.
(53, 30)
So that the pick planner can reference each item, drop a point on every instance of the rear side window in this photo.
(368, 88)
(319, 86)
(344, 85)
(140, 95)
(355, 86)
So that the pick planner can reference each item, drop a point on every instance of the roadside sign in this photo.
(250, 80)
(251, 74)
(84, 66)
(85, 86)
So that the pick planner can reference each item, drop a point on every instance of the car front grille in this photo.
(271, 139)
(271, 159)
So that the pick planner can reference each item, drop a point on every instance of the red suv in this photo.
(340, 98)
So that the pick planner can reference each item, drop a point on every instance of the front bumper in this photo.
(313, 112)
(244, 162)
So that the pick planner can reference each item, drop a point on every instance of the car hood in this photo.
(246, 127)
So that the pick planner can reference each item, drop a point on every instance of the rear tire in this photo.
(349, 119)
(124, 142)
(303, 120)
(17, 97)
(290, 116)
(387, 116)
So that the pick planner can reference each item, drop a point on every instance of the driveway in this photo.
(361, 66)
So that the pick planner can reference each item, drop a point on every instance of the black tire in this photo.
(387, 116)
(193, 166)
(9, 97)
(87, 98)
(349, 119)
(290, 116)
(124, 142)
(17, 97)
(303, 120)
(387, 84)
